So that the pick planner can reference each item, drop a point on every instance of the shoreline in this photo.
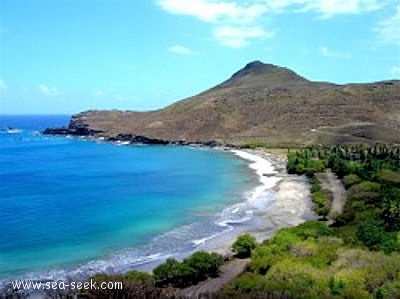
(290, 205)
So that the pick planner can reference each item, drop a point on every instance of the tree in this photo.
(244, 245)
(391, 209)
(172, 272)
(370, 232)
(204, 264)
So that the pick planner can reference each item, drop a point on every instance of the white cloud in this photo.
(238, 37)
(213, 11)
(389, 29)
(329, 8)
(3, 86)
(178, 49)
(333, 54)
(48, 91)
(235, 23)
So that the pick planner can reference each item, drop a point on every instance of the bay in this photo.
(69, 203)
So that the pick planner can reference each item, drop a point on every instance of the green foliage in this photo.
(254, 144)
(303, 163)
(143, 277)
(316, 261)
(348, 283)
(389, 176)
(204, 264)
(309, 261)
(284, 240)
(193, 269)
(243, 246)
(350, 180)
(172, 272)
(322, 202)
(372, 176)
(248, 283)
(312, 229)
(370, 232)
(368, 192)
(296, 280)
(135, 285)
(389, 290)
(391, 208)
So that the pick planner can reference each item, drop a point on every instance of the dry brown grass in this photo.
(272, 105)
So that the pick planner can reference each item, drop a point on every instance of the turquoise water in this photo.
(68, 203)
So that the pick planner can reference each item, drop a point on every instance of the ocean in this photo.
(71, 207)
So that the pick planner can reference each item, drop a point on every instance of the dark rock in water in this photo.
(57, 131)
(83, 131)
(138, 139)
(211, 143)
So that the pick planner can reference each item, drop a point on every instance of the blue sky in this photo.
(65, 56)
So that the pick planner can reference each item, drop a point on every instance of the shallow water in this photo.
(71, 207)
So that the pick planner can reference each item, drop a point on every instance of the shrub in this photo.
(243, 246)
(135, 285)
(284, 240)
(350, 180)
(193, 269)
(139, 276)
(264, 257)
(368, 192)
(348, 284)
(204, 264)
(312, 229)
(248, 283)
(370, 232)
(391, 209)
(319, 253)
(174, 273)
(390, 290)
(296, 280)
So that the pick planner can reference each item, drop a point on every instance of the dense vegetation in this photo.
(243, 246)
(311, 261)
(371, 176)
(195, 268)
(358, 256)
(165, 280)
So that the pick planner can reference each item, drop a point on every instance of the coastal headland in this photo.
(260, 104)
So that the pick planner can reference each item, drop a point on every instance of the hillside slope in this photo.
(267, 103)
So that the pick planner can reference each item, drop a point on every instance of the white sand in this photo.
(292, 204)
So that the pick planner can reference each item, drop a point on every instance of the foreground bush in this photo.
(244, 245)
(135, 284)
(309, 261)
(199, 266)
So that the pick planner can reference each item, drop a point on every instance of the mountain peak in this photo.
(255, 67)
(257, 73)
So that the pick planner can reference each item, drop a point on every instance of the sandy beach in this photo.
(280, 200)
(291, 205)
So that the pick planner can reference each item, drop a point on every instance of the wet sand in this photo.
(292, 206)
